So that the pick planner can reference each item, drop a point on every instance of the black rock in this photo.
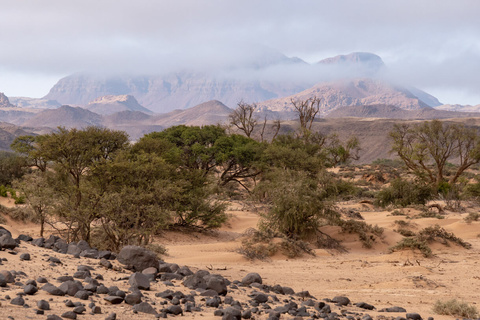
(7, 276)
(111, 316)
(54, 260)
(184, 271)
(251, 278)
(107, 264)
(64, 278)
(51, 289)
(7, 242)
(259, 297)
(195, 281)
(104, 254)
(60, 246)
(24, 237)
(39, 242)
(140, 281)
(137, 258)
(53, 317)
(79, 309)
(69, 315)
(175, 309)
(217, 283)
(73, 249)
(43, 305)
(71, 287)
(393, 309)
(364, 305)
(213, 302)
(82, 294)
(413, 316)
(101, 289)
(82, 274)
(232, 313)
(133, 298)
(42, 280)
(18, 301)
(25, 256)
(4, 231)
(113, 299)
(170, 276)
(51, 241)
(144, 307)
(247, 314)
(341, 300)
(30, 289)
(96, 310)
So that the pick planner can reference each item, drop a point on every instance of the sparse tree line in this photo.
(94, 184)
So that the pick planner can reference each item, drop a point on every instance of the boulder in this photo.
(140, 281)
(137, 258)
(251, 278)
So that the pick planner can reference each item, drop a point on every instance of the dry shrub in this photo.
(439, 234)
(366, 232)
(414, 244)
(472, 216)
(455, 308)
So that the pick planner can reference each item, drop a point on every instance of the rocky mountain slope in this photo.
(66, 116)
(111, 104)
(4, 102)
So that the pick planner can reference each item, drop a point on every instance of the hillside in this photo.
(392, 112)
(111, 104)
(66, 116)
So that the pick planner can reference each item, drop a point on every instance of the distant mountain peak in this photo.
(111, 104)
(365, 63)
(4, 102)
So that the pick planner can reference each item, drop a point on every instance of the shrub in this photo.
(403, 193)
(414, 244)
(366, 232)
(455, 308)
(472, 216)
(437, 233)
(294, 248)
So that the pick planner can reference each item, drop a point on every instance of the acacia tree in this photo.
(427, 147)
(307, 110)
(243, 118)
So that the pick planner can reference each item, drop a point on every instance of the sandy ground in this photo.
(383, 279)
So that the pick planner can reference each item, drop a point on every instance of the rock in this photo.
(167, 267)
(8, 276)
(53, 317)
(113, 299)
(71, 287)
(24, 237)
(43, 305)
(7, 242)
(247, 314)
(89, 253)
(184, 271)
(104, 254)
(133, 298)
(30, 289)
(217, 283)
(364, 305)
(65, 278)
(140, 281)
(17, 301)
(25, 256)
(111, 316)
(73, 249)
(144, 307)
(60, 246)
(105, 263)
(137, 258)
(413, 316)
(51, 289)
(42, 280)
(175, 310)
(170, 276)
(251, 278)
(393, 309)
(213, 302)
(150, 271)
(82, 274)
(96, 310)
(69, 315)
(259, 297)
(341, 300)
(82, 294)
(54, 260)
(101, 289)
(4, 231)
(39, 242)
(232, 313)
(194, 282)
(50, 242)
(79, 309)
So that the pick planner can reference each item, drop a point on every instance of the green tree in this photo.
(427, 147)
(12, 166)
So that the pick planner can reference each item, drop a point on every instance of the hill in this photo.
(111, 104)
(4, 102)
(66, 116)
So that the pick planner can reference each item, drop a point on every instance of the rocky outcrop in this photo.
(4, 102)
(111, 104)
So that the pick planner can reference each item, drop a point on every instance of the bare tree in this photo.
(307, 110)
(243, 117)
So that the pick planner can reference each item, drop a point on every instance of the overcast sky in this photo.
(431, 44)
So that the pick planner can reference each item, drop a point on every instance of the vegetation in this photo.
(456, 308)
(403, 193)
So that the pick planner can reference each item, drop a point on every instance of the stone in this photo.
(24, 237)
(137, 258)
(89, 253)
(133, 298)
(60, 246)
(9, 278)
(51, 289)
(251, 278)
(393, 309)
(175, 310)
(111, 316)
(7, 242)
(140, 281)
(79, 309)
(170, 276)
(43, 305)
(69, 315)
(105, 254)
(96, 310)
(217, 283)
(4, 231)
(17, 301)
(195, 281)
(54, 260)
(144, 307)
(39, 242)
(30, 289)
(105, 263)
(259, 297)
(25, 256)
(82, 294)
(341, 300)
(364, 305)
(413, 316)
(73, 249)
(53, 317)
(184, 271)
(113, 299)
(213, 302)
(71, 287)
(233, 313)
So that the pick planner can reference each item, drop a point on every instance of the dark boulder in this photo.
(137, 258)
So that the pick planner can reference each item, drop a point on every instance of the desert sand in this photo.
(383, 279)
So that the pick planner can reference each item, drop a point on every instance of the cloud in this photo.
(425, 41)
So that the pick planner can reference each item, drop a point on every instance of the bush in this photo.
(437, 233)
(455, 308)
(366, 232)
(472, 216)
(414, 244)
(403, 193)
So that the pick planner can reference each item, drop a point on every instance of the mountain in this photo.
(111, 104)
(349, 92)
(24, 102)
(4, 102)
(66, 116)
(364, 64)
(211, 112)
(392, 112)
(459, 108)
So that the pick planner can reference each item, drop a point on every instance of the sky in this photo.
(433, 45)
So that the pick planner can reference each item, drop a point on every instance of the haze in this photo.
(433, 45)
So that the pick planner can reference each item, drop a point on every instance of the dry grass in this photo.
(455, 308)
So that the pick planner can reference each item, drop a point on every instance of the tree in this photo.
(243, 118)
(427, 147)
(307, 110)
(339, 152)
(12, 166)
